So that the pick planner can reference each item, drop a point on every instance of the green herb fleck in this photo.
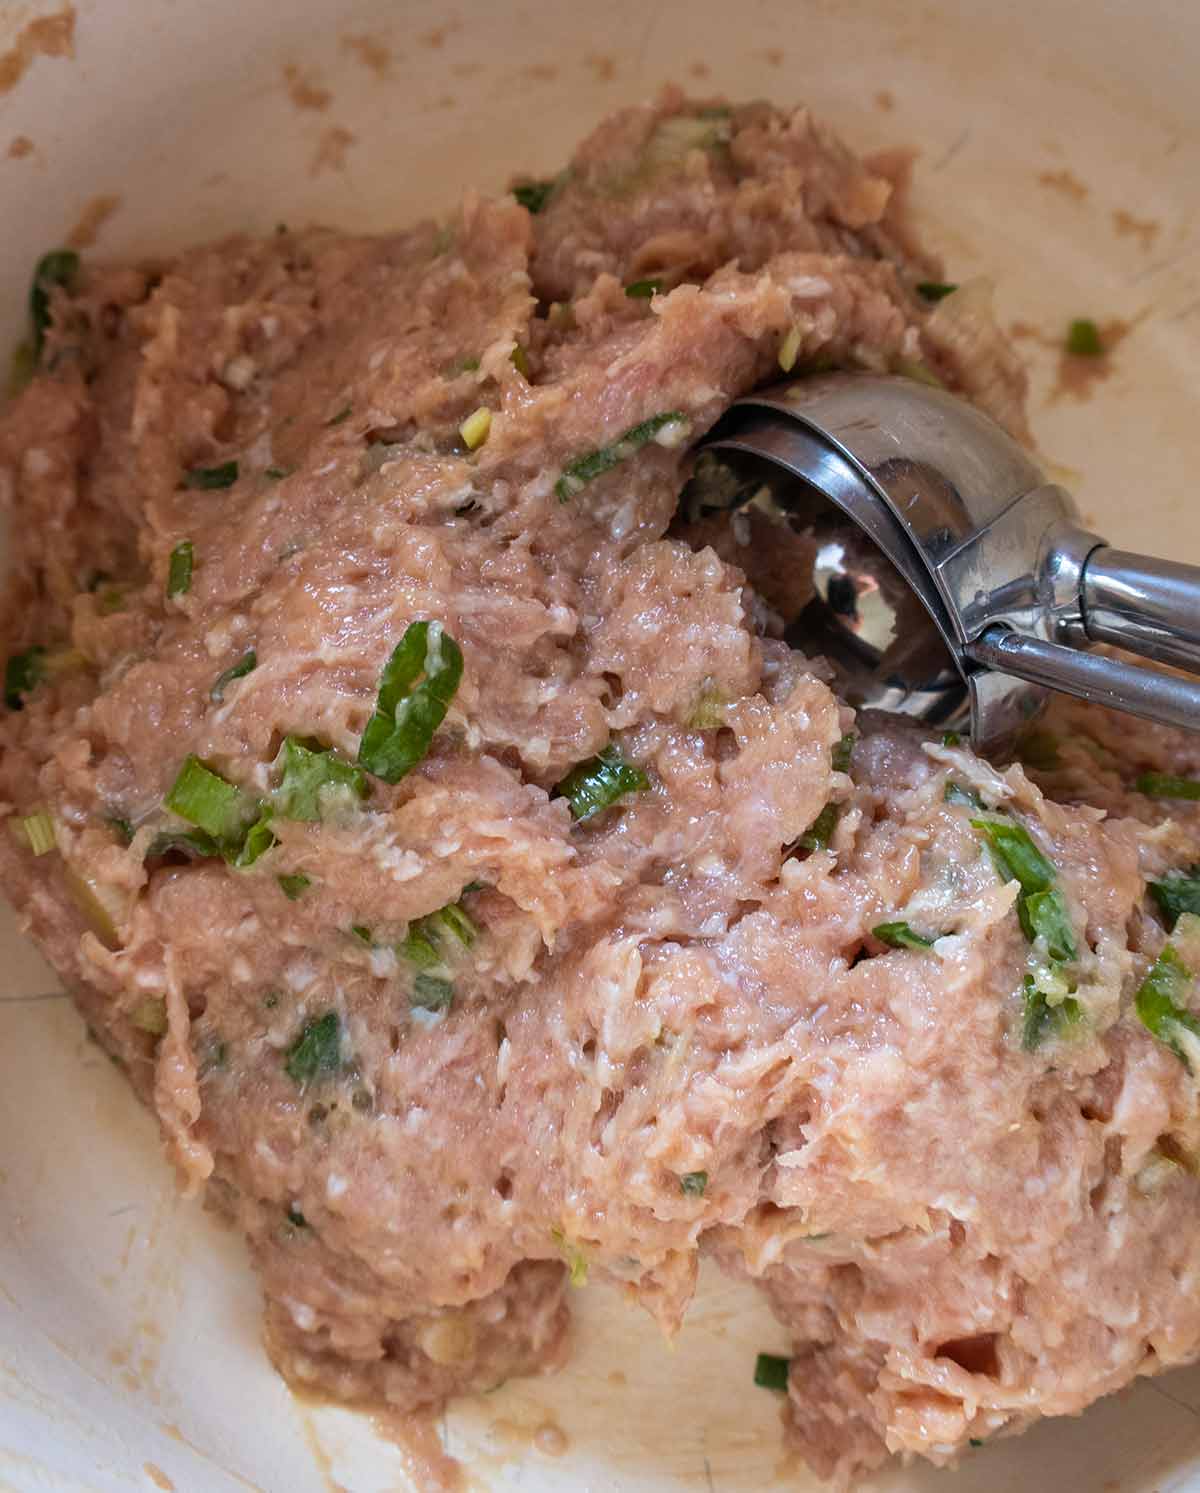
(122, 827)
(520, 360)
(56, 269)
(574, 1257)
(935, 290)
(534, 195)
(771, 1372)
(209, 479)
(415, 691)
(1177, 893)
(597, 784)
(1159, 1002)
(820, 832)
(205, 799)
(1164, 785)
(271, 999)
(1015, 856)
(672, 424)
(1043, 1019)
(317, 1051)
(179, 572)
(362, 933)
(842, 753)
(294, 885)
(432, 993)
(39, 832)
(643, 290)
(956, 793)
(951, 738)
(1083, 339)
(692, 1184)
(22, 674)
(277, 474)
(900, 935)
(310, 774)
(342, 414)
(245, 665)
(296, 1218)
(1045, 915)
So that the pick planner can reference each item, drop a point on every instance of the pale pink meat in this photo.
(960, 1234)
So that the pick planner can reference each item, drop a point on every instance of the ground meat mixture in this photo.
(488, 903)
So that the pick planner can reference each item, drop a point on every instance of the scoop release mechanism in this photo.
(951, 582)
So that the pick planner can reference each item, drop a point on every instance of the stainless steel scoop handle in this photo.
(1148, 606)
(1089, 676)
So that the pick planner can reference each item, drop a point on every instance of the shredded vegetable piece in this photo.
(534, 195)
(39, 832)
(432, 992)
(643, 290)
(1045, 915)
(1015, 856)
(22, 674)
(692, 1184)
(58, 268)
(317, 1051)
(205, 799)
(1159, 1002)
(900, 935)
(415, 691)
(1165, 785)
(668, 429)
(597, 784)
(245, 665)
(771, 1372)
(209, 479)
(1083, 339)
(294, 885)
(310, 776)
(179, 572)
(935, 290)
(819, 833)
(1042, 1018)
(842, 753)
(1177, 893)
(476, 428)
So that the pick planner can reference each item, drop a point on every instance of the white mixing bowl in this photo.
(1059, 151)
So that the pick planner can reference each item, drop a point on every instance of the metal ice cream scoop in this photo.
(964, 586)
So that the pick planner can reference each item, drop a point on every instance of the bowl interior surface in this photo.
(1057, 153)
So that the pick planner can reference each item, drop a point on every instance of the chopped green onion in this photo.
(771, 1372)
(22, 674)
(956, 793)
(208, 479)
(39, 832)
(179, 573)
(317, 1051)
(204, 798)
(277, 474)
(58, 268)
(534, 195)
(1015, 856)
(418, 947)
(193, 842)
(1083, 339)
(259, 838)
(342, 414)
(1164, 785)
(643, 290)
(122, 826)
(842, 753)
(900, 935)
(1160, 1005)
(692, 1184)
(476, 428)
(668, 429)
(789, 350)
(819, 833)
(951, 738)
(432, 993)
(520, 360)
(310, 774)
(1045, 915)
(597, 784)
(453, 920)
(245, 665)
(1177, 893)
(1041, 1018)
(150, 1016)
(362, 933)
(415, 690)
(294, 886)
(935, 290)
(295, 1217)
(574, 1257)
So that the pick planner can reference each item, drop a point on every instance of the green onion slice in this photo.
(415, 691)
(597, 784)
(1165, 785)
(1160, 999)
(432, 993)
(22, 674)
(935, 290)
(534, 195)
(58, 268)
(294, 885)
(1041, 1019)
(179, 572)
(842, 753)
(1015, 856)
(317, 1051)
(1083, 339)
(1045, 915)
(669, 428)
(692, 1184)
(643, 290)
(205, 799)
(771, 1372)
(900, 935)
(245, 665)
(209, 479)
(310, 774)
(1177, 893)
(820, 832)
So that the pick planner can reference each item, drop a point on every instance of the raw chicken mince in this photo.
(434, 828)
